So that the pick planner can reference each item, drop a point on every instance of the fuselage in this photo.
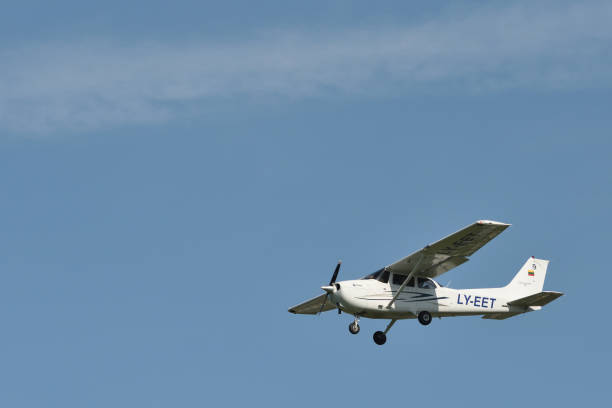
(370, 297)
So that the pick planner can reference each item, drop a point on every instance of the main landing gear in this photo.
(380, 338)
(354, 327)
(424, 318)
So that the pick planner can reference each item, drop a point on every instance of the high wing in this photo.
(313, 306)
(449, 252)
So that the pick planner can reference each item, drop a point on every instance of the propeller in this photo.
(329, 289)
(335, 275)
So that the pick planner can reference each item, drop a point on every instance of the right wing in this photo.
(313, 306)
(449, 252)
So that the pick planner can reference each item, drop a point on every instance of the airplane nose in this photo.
(328, 289)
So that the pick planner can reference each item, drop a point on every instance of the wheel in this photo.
(424, 318)
(380, 338)
(354, 328)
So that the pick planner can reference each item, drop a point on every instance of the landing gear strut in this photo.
(424, 318)
(354, 327)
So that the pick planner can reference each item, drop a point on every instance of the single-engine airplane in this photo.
(406, 290)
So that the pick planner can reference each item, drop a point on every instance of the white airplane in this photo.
(406, 290)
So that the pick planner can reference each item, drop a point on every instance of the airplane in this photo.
(406, 289)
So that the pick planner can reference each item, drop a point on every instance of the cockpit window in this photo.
(381, 275)
(375, 275)
(399, 279)
(425, 283)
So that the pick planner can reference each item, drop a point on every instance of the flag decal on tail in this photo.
(531, 272)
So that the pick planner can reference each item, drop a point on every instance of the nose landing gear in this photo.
(354, 327)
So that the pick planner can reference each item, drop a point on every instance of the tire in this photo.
(380, 338)
(424, 318)
(354, 328)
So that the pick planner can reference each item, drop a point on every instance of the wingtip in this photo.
(490, 222)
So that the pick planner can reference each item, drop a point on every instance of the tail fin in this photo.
(530, 278)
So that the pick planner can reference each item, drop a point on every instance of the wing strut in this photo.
(405, 282)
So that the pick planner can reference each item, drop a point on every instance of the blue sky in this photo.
(175, 177)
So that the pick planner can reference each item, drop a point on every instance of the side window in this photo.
(399, 279)
(425, 283)
(384, 278)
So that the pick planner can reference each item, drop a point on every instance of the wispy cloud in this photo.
(97, 84)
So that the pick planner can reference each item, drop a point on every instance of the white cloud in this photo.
(97, 84)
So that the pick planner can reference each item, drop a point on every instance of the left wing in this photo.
(449, 252)
(313, 306)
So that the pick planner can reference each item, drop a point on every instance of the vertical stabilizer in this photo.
(529, 280)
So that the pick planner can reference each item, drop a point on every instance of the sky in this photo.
(174, 177)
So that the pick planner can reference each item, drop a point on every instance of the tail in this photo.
(529, 280)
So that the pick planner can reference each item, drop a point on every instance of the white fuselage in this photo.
(369, 298)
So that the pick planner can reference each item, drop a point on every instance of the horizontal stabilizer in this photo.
(539, 299)
(501, 315)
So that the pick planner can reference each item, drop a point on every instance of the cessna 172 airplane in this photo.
(406, 290)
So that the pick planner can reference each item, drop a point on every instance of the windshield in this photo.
(374, 275)
(381, 275)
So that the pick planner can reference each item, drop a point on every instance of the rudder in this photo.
(530, 278)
